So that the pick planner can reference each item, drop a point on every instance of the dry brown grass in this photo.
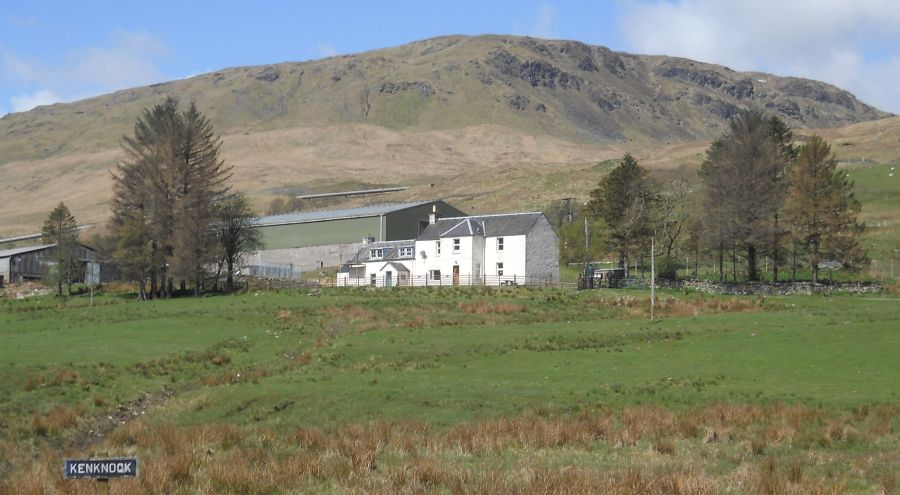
(489, 307)
(656, 452)
(55, 421)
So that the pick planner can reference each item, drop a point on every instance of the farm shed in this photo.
(307, 240)
(35, 263)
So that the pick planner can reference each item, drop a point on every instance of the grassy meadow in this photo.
(449, 390)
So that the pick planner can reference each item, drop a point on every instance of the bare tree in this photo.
(236, 233)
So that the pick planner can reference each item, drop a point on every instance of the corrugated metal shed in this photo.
(9, 253)
(323, 215)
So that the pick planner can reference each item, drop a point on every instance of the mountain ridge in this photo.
(567, 89)
(471, 115)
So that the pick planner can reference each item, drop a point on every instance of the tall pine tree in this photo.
(164, 198)
(61, 229)
(623, 200)
(823, 209)
(744, 188)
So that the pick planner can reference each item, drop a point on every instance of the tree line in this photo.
(757, 195)
(174, 217)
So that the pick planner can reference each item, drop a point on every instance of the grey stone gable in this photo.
(391, 251)
(506, 224)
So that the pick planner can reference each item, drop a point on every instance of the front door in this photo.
(456, 275)
(388, 279)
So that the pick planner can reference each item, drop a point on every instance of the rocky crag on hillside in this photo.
(565, 89)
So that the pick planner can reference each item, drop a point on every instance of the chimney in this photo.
(434, 215)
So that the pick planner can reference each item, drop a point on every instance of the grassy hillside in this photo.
(478, 117)
(455, 389)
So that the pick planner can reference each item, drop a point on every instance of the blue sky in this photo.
(63, 51)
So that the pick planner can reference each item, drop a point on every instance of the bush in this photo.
(667, 268)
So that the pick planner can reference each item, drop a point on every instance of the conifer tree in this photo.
(823, 209)
(164, 198)
(623, 200)
(744, 188)
(61, 229)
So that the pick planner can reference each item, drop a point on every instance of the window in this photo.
(373, 279)
(456, 245)
(437, 245)
(376, 254)
(435, 274)
(499, 244)
(406, 251)
(499, 269)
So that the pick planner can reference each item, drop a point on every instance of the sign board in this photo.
(100, 468)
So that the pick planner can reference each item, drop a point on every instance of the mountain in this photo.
(446, 111)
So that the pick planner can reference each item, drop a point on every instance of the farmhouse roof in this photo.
(390, 251)
(396, 266)
(505, 224)
(323, 215)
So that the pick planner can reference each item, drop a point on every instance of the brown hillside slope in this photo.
(495, 122)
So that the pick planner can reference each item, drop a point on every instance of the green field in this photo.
(449, 390)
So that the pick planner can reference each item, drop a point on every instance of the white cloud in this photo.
(131, 59)
(325, 50)
(24, 103)
(840, 42)
(545, 26)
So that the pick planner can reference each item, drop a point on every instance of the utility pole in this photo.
(588, 276)
(652, 277)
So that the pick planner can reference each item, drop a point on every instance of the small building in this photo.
(308, 240)
(381, 264)
(36, 262)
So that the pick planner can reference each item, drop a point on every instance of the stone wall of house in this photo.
(542, 253)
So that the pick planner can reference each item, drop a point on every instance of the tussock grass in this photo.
(656, 451)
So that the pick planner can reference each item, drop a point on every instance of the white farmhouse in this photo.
(504, 249)
(513, 248)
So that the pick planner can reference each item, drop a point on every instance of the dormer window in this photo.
(406, 251)
(376, 254)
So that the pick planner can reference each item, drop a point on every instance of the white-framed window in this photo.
(499, 244)
(437, 248)
(499, 269)
(376, 254)
(456, 244)
(373, 279)
(406, 251)
(434, 274)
